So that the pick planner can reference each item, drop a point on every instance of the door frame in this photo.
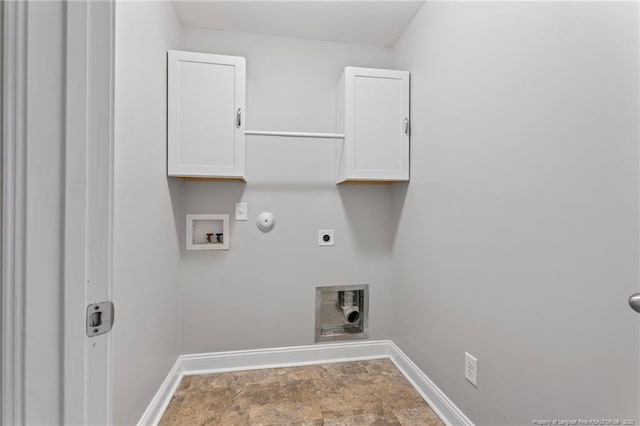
(14, 26)
(86, 242)
(88, 221)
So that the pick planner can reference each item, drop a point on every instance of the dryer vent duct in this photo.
(349, 306)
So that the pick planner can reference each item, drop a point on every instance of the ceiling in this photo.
(377, 23)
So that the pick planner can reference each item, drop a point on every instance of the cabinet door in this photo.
(206, 101)
(376, 124)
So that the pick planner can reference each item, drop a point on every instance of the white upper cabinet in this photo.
(374, 105)
(206, 103)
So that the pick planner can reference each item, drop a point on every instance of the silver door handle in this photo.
(406, 126)
(634, 302)
(239, 118)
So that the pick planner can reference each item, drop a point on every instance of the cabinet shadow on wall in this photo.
(368, 212)
(398, 198)
(200, 197)
(175, 194)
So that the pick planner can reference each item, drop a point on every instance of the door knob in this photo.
(634, 302)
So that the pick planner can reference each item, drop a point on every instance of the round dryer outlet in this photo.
(266, 221)
(325, 237)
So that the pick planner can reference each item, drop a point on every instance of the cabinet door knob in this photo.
(239, 118)
(406, 126)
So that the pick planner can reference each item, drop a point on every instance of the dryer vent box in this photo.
(342, 313)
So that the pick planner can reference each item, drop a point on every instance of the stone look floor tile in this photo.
(350, 393)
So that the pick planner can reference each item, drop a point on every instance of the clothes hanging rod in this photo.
(295, 134)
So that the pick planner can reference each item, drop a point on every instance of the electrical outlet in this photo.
(325, 237)
(471, 369)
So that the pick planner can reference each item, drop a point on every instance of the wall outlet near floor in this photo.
(471, 369)
(325, 237)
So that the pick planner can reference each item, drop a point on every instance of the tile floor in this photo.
(349, 393)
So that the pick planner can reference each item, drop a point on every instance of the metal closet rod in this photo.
(295, 134)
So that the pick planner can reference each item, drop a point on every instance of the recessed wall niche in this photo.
(207, 232)
(342, 312)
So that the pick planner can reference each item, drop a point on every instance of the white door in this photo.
(206, 98)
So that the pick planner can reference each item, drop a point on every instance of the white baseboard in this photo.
(161, 399)
(255, 359)
(219, 362)
(448, 412)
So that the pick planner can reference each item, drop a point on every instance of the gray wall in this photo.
(517, 238)
(261, 293)
(146, 334)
